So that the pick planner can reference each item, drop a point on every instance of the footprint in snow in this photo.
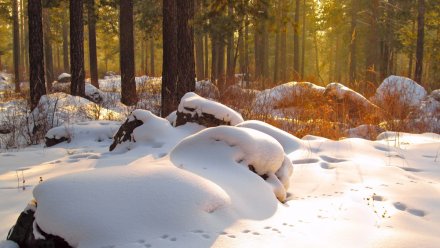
(400, 206)
(416, 212)
(331, 159)
(327, 166)
(305, 161)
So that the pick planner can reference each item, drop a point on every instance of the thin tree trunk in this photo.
(241, 49)
(152, 65)
(246, 51)
(303, 47)
(26, 39)
(91, 16)
(277, 58)
(199, 47)
(126, 44)
(420, 41)
(143, 56)
(36, 55)
(296, 54)
(411, 52)
(16, 45)
(283, 43)
(65, 40)
(169, 65)
(48, 55)
(77, 86)
(352, 62)
(338, 72)
(206, 53)
(23, 64)
(371, 48)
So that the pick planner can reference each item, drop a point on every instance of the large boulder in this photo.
(27, 234)
(207, 89)
(91, 92)
(348, 104)
(398, 96)
(426, 118)
(196, 109)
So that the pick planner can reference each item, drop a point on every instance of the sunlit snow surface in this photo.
(349, 193)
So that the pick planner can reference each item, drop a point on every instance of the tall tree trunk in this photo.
(16, 45)
(169, 65)
(420, 41)
(91, 16)
(241, 49)
(277, 58)
(371, 47)
(338, 72)
(411, 52)
(206, 54)
(246, 51)
(48, 55)
(26, 38)
(143, 56)
(265, 52)
(185, 47)
(214, 56)
(77, 86)
(126, 44)
(200, 67)
(352, 62)
(283, 42)
(65, 40)
(36, 56)
(23, 54)
(303, 47)
(152, 66)
(230, 65)
(296, 54)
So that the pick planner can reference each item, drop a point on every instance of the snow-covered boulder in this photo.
(64, 78)
(237, 146)
(144, 128)
(91, 92)
(26, 233)
(287, 94)
(396, 90)
(347, 102)
(426, 118)
(196, 109)
(82, 132)
(207, 89)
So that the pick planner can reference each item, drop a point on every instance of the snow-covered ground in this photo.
(348, 193)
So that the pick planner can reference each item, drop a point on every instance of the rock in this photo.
(91, 92)
(64, 78)
(400, 92)
(125, 131)
(23, 233)
(207, 89)
(54, 141)
(435, 94)
(196, 109)
(348, 104)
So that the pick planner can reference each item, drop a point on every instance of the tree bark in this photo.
(77, 86)
(48, 55)
(277, 58)
(16, 45)
(206, 54)
(36, 56)
(230, 65)
(65, 40)
(169, 65)
(91, 16)
(185, 47)
(126, 44)
(23, 64)
(296, 54)
(411, 52)
(420, 41)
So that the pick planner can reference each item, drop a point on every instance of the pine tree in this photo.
(77, 86)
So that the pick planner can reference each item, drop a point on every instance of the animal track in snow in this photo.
(305, 161)
(327, 166)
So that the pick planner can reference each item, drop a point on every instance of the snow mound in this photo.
(404, 90)
(192, 107)
(232, 146)
(289, 142)
(278, 94)
(96, 131)
(126, 203)
(364, 131)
